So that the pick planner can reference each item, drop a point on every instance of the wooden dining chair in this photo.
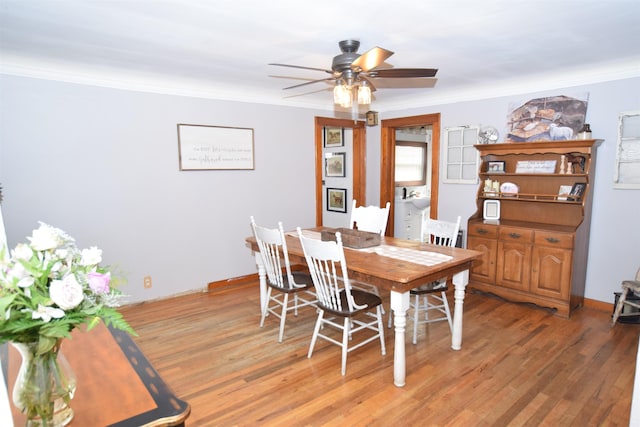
(280, 278)
(359, 311)
(628, 287)
(432, 297)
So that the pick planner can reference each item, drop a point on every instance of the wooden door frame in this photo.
(358, 166)
(388, 160)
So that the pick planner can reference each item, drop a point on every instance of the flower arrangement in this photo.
(49, 286)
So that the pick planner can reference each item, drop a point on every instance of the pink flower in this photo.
(98, 282)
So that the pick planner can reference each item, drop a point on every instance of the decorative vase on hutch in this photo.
(44, 386)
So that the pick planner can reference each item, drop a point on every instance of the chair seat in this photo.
(360, 298)
(430, 288)
(299, 278)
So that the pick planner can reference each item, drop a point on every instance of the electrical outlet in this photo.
(147, 282)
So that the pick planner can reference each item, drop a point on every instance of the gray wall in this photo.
(102, 164)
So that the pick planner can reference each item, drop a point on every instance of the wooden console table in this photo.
(116, 384)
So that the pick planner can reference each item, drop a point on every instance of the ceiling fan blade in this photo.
(404, 72)
(304, 68)
(406, 83)
(311, 82)
(371, 59)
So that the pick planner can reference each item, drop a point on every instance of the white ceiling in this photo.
(220, 49)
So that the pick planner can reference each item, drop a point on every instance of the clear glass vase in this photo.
(44, 386)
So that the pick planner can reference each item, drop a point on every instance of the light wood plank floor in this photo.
(519, 366)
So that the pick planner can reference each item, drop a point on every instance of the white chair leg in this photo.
(283, 316)
(316, 330)
(416, 314)
(295, 305)
(379, 313)
(265, 308)
(346, 335)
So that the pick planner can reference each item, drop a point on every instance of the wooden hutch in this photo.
(536, 252)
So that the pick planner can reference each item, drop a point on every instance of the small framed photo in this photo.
(491, 210)
(577, 191)
(333, 137)
(495, 167)
(563, 192)
(334, 164)
(337, 199)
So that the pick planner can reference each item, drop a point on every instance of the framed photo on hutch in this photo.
(577, 191)
(495, 166)
(491, 210)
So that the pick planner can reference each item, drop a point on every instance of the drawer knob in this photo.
(514, 235)
(552, 240)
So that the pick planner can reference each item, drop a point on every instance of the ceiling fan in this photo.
(354, 72)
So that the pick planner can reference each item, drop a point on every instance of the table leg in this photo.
(399, 305)
(460, 281)
(262, 275)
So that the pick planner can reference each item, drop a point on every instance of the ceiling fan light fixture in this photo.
(364, 94)
(342, 95)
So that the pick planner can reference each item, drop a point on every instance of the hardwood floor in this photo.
(519, 366)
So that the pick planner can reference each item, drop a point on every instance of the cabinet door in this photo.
(484, 268)
(513, 265)
(551, 271)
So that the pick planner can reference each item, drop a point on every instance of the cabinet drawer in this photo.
(521, 235)
(550, 238)
(483, 230)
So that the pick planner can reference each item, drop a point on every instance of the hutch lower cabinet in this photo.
(536, 251)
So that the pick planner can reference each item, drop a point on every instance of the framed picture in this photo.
(333, 137)
(577, 191)
(334, 164)
(337, 199)
(563, 192)
(551, 118)
(491, 210)
(202, 147)
(495, 167)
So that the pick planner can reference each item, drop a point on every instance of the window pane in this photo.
(470, 136)
(454, 155)
(469, 154)
(469, 171)
(453, 171)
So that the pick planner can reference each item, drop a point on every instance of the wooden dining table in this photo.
(396, 275)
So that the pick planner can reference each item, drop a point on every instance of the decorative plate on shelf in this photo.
(509, 189)
(488, 135)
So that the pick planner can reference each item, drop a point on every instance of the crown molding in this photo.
(116, 79)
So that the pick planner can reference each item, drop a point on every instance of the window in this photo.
(411, 160)
(627, 174)
(461, 157)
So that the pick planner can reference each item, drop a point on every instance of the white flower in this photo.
(22, 251)
(66, 293)
(91, 256)
(47, 313)
(45, 238)
(26, 282)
